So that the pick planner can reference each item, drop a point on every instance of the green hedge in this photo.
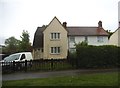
(97, 56)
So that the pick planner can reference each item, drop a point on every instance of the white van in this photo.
(19, 57)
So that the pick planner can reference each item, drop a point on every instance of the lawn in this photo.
(93, 79)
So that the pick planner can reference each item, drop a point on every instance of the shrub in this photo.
(97, 56)
(72, 58)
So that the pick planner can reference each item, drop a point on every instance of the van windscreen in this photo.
(12, 57)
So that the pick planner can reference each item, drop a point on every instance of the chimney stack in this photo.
(100, 24)
(64, 24)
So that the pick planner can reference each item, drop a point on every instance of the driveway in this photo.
(29, 75)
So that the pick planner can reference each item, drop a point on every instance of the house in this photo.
(54, 40)
(51, 41)
(92, 35)
(115, 37)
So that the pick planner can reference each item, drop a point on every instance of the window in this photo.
(12, 57)
(86, 39)
(100, 39)
(55, 50)
(55, 35)
(72, 39)
(22, 57)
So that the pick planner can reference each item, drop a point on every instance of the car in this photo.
(2, 56)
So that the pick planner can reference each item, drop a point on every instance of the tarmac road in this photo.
(29, 75)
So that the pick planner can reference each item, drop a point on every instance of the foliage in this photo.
(25, 43)
(72, 58)
(83, 43)
(12, 45)
(97, 56)
(109, 32)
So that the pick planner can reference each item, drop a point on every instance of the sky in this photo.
(19, 15)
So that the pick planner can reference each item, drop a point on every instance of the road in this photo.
(29, 75)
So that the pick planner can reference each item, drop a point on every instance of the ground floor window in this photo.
(55, 50)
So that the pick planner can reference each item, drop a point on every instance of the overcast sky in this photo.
(19, 15)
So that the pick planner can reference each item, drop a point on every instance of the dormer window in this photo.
(55, 35)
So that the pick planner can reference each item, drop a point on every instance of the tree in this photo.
(109, 32)
(83, 43)
(25, 44)
(12, 45)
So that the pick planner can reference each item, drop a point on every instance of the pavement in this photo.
(30, 75)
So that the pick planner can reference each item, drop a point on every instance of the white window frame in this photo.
(55, 36)
(55, 50)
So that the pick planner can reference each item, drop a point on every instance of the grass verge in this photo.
(94, 79)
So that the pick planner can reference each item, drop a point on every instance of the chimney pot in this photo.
(64, 24)
(100, 24)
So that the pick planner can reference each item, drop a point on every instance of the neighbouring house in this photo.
(92, 35)
(54, 40)
(115, 37)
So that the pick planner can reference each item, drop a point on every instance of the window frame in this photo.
(55, 36)
(72, 39)
(86, 38)
(100, 39)
(55, 50)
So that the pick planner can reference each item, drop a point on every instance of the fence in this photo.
(36, 65)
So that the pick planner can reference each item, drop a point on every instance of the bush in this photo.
(97, 56)
(72, 58)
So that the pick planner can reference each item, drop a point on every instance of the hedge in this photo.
(97, 56)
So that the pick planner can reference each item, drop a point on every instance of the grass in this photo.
(94, 79)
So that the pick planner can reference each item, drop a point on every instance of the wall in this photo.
(114, 38)
(92, 40)
(55, 26)
(37, 54)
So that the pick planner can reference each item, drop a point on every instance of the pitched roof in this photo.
(57, 20)
(72, 31)
(38, 38)
(86, 31)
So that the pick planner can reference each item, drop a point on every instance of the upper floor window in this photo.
(100, 39)
(55, 35)
(72, 39)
